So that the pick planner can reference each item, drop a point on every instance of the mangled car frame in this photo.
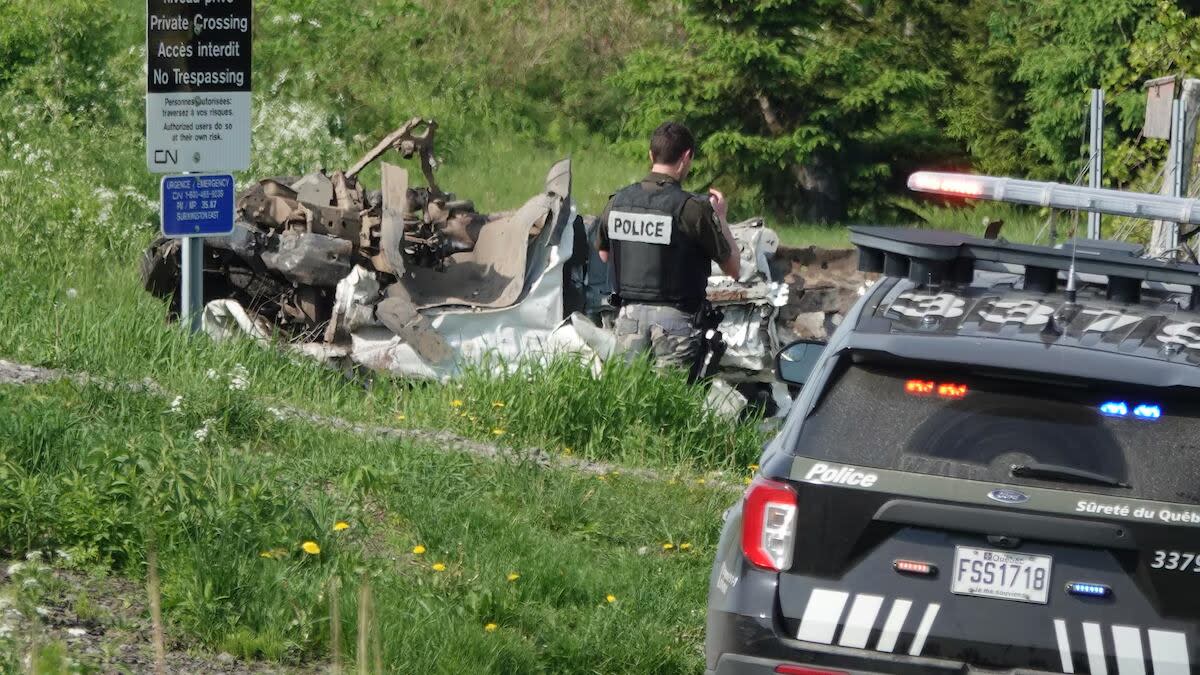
(414, 281)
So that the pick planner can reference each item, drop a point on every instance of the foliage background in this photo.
(810, 110)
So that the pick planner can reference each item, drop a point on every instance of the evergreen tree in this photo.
(821, 104)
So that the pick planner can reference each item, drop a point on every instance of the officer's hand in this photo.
(718, 201)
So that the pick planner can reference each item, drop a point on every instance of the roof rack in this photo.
(936, 257)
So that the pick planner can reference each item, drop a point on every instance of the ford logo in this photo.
(1007, 496)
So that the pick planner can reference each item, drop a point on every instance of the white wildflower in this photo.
(211, 374)
(41, 611)
(239, 378)
(14, 568)
(33, 556)
(65, 555)
(295, 18)
(314, 23)
(201, 434)
(72, 293)
(76, 632)
(177, 405)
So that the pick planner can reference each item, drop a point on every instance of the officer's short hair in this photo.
(669, 141)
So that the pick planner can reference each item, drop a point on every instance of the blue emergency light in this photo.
(1147, 411)
(1114, 409)
(1142, 411)
(1089, 590)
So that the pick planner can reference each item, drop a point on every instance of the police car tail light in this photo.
(769, 524)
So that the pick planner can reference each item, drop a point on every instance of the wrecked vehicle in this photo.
(414, 281)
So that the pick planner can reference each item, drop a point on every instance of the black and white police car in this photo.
(988, 470)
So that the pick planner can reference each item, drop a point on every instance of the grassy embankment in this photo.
(474, 565)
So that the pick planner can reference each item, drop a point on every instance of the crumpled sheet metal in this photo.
(493, 274)
(532, 328)
(226, 319)
(756, 245)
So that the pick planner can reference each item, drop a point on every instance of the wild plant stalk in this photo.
(364, 623)
(156, 623)
(376, 646)
(335, 625)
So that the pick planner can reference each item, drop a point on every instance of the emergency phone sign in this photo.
(197, 205)
(198, 85)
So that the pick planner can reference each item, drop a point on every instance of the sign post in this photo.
(197, 120)
(1095, 156)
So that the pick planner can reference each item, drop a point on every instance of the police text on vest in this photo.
(840, 475)
(647, 228)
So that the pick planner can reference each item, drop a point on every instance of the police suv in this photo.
(992, 467)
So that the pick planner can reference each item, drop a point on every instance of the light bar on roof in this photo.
(1058, 195)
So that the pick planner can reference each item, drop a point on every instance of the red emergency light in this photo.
(949, 390)
(919, 387)
(928, 387)
(946, 184)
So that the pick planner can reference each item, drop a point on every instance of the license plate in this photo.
(1002, 575)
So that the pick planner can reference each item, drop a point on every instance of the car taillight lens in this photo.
(769, 524)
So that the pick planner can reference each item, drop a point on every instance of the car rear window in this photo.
(960, 424)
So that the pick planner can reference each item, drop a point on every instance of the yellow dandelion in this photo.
(684, 546)
(439, 567)
(497, 404)
(491, 627)
(615, 473)
(418, 549)
(699, 481)
(753, 467)
(513, 576)
(672, 481)
(747, 481)
(498, 431)
(566, 451)
(266, 554)
(601, 477)
(456, 403)
(401, 417)
(310, 547)
(611, 598)
(341, 525)
(668, 546)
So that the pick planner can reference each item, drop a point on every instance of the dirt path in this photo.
(102, 621)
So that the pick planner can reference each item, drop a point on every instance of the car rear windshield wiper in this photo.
(1066, 474)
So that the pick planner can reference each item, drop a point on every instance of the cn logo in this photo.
(166, 156)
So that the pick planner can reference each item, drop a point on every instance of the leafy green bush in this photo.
(56, 53)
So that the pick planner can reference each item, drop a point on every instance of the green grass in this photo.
(103, 471)
(1024, 225)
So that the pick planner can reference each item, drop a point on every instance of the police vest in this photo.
(654, 261)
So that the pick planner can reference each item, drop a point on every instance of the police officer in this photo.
(661, 242)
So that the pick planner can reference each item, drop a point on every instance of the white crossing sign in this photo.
(198, 85)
